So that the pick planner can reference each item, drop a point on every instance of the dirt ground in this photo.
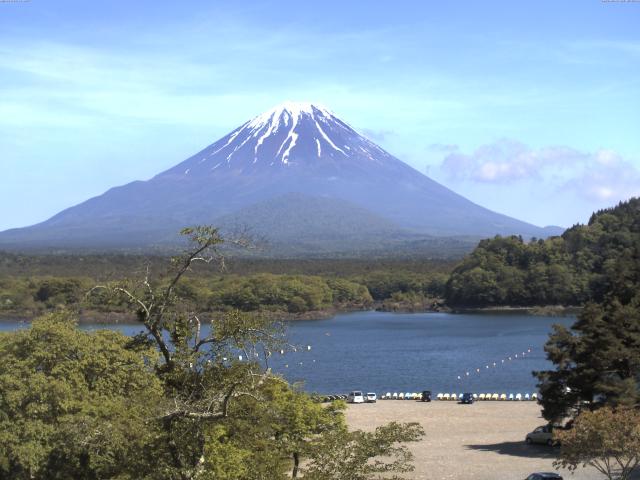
(483, 441)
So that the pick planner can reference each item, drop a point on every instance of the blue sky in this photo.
(529, 108)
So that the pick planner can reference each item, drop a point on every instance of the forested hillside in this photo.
(582, 264)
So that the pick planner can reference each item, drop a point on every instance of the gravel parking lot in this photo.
(483, 441)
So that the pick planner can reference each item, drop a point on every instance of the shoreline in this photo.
(110, 318)
(537, 310)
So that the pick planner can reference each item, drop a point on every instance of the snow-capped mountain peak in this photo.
(291, 133)
(289, 112)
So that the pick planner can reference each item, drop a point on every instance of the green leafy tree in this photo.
(597, 362)
(362, 455)
(75, 404)
(608, 440)
(220, 412)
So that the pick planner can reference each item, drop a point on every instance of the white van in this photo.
(355, 397)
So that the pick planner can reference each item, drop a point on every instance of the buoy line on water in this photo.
(498, 363)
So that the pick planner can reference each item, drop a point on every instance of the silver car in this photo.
(542, 435)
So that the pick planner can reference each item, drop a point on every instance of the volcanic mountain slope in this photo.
(294, 148)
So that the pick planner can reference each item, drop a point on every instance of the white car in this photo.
(355, 397)
(371, 397)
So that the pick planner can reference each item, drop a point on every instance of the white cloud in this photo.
(508, 160)
(603, 175)
(607, 177)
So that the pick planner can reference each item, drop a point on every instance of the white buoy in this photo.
(240, 357)
(308, 347)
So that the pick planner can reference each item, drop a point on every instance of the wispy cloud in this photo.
(606, 176)
(603, 175)
(509, 160)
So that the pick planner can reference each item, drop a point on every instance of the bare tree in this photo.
(200, 358)
(606, 439)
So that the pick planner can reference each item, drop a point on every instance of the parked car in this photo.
(544, 476)
(355, 397)
(426, 396)
(467, 398)
(371, 398)
(542, 435)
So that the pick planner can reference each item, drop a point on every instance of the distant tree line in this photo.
(33, 295)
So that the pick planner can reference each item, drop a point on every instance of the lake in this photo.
(387, 352)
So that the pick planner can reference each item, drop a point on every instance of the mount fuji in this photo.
(296, 174)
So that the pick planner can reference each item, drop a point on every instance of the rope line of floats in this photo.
(501, 362)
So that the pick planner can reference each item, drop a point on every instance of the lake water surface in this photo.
(381, 352)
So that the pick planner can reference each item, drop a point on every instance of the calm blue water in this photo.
(381, 352)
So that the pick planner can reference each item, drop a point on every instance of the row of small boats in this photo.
(453, 396)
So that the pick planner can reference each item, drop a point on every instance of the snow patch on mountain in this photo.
(274, 138)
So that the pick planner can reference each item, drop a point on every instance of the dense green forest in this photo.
(33, 285)
(582, 264)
